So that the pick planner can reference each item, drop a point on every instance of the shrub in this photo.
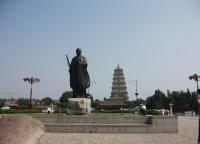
(153, 112)
(62, 111)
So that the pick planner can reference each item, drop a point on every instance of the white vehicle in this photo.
(49, 110)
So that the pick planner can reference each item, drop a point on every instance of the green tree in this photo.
(64, 98)
(192, 100)
(183, 101)
(23, 102)
(2, 103)
(157, 101)
(47, 101)
(95, 103)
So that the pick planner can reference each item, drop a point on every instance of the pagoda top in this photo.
(118, 67)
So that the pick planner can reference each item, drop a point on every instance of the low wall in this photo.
(129, 124)
(164, 124)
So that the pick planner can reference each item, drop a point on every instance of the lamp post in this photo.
(196, 77)
(31, 81)
(136, 88)
(171, 109)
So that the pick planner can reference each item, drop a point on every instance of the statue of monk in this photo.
(79, 77)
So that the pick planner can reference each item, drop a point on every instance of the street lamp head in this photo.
(31, 80)
(36, 80)
(194, 77)
(27, 79)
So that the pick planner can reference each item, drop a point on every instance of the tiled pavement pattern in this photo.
(19, 129)
(188, 128)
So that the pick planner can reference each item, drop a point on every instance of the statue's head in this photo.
(78, 51)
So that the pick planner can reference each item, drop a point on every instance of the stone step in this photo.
(96, 128)
(97, 120)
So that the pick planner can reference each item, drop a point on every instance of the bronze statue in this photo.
(79, 77)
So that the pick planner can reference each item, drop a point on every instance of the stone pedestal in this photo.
(79, 106)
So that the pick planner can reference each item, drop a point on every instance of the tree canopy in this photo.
(157, 101)
(182, 101)
(24, 102)
(47, 101)
(64, 98)
(2, 102)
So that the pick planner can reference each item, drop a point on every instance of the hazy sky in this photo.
(156, 42)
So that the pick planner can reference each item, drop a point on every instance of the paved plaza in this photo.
(22, 129)
(188, 128)
(19, 129)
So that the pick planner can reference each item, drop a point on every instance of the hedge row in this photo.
(62, 111)
(153, 112)
(150, 112)
(13, 111)
(112, 111)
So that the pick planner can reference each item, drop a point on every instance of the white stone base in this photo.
(81, 106)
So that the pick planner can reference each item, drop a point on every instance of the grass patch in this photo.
(15, 111)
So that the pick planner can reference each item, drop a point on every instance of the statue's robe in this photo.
(79, 77)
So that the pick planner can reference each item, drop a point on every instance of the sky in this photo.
(156, 43)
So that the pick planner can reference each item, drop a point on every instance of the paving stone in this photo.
(19, 129)
(188, 130)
